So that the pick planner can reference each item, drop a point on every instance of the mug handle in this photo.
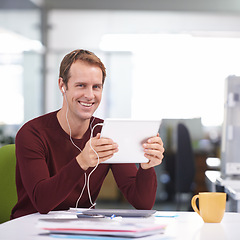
(194, 205)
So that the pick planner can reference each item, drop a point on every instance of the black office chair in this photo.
(185, 165)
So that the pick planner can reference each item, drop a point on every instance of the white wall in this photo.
(23, 22)
(71, 29)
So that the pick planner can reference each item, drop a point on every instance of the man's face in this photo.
(84, 91)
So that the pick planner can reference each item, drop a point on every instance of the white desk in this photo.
(187, 225)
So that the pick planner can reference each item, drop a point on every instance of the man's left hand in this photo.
(154, 150)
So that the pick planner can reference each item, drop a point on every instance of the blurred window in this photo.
(178, 75)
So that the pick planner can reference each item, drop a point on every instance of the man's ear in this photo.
(61, 85)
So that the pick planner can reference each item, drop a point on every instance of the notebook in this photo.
(129, 135)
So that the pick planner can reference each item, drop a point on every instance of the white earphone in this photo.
(63, 89)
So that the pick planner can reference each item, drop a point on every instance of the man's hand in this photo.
(154, 150)
(104, 147)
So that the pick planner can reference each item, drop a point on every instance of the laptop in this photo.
(129, 135)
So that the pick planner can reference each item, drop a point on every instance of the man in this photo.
(55, 156)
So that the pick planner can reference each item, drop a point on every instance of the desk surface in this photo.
(185, 225)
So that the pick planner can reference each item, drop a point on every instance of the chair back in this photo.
(185, 163)
(8, 192)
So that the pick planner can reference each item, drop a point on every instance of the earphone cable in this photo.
(86, 179)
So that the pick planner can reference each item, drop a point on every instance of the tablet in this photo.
(129, 135)
(119, 212)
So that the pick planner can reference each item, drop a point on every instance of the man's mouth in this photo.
(86, 104)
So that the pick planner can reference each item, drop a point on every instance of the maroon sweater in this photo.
(48, 176)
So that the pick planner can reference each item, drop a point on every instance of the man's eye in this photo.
(97, 87)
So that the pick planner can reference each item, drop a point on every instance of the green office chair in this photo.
(8, 191)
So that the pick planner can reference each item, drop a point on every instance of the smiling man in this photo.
(56, 155)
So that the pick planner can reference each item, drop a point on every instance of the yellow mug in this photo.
(211, 206)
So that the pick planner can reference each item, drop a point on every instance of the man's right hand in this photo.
(104, 147)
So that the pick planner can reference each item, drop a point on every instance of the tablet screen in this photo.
(129, 135)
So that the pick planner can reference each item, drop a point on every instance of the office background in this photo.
(165, 60)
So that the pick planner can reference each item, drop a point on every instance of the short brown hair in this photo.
(82, 55)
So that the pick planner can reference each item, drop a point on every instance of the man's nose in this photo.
(89, 93)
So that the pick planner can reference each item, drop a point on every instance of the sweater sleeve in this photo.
(138, 185)
(45, 189)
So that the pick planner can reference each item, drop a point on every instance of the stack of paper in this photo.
(100, 227)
